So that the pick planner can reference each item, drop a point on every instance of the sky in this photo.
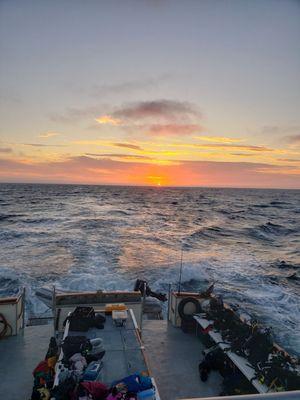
(150, 92)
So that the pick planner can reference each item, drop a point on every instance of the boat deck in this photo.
(19, 355)
(123, 354)
(173, 359)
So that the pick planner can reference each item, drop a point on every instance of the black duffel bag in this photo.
(75, 344)
(87, 312)
(81, 319)
(80, 324)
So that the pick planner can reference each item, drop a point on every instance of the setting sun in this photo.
(156, 180)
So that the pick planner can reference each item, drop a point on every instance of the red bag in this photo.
(98, 390)
(41, 367)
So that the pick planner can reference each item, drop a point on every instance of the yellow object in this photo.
(44, 393)
(51, 361)
(115, 307)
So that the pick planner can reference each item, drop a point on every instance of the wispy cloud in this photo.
(48, 134)
(218, 139)
(168, 147)
(128, 146)
(119, 155)
(136, 115)
(243, 154)
(74, 114)
(234, 147)
(281, 129)
(127, 87)
(166, 109)
(108, 120)
(173, 129)
(293, 139)
(289, 160)
(289, 170)
(5, 150)
(42, 145)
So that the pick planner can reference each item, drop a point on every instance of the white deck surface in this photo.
(19, 355)
(173, 358)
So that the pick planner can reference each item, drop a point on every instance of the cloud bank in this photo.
(167, 109)
(91, 170)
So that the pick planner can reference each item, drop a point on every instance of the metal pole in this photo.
(169, 301)
(180, 273)
(143, 303)
(23, 306)
(54, 309)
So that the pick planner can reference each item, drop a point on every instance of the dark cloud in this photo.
(291, 160)
(43, 145)
(242, 154)
(293, 139)
(128, 146)
(163, 109)
(167, 109)
(173, 129)
(5, 150)
(234, 147)
(119, 155)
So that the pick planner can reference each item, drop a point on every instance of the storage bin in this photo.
(148, 394)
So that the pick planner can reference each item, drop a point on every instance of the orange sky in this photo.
(181, 94)
(90, 170)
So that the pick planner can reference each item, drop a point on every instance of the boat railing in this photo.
(12, 314)
(293, 395)
(64, 303)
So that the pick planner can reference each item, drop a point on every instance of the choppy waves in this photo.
(89, 238)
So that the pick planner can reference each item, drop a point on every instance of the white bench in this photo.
(241, 363)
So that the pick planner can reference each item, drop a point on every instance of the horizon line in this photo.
(148, 186)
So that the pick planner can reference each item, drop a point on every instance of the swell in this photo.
(269, 231)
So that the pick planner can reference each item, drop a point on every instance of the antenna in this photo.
(180, 272)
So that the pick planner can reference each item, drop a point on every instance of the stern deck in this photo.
(173, 358)
(19, 355)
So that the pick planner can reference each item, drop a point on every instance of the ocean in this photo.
(105, 237)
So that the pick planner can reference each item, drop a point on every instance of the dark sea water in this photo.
(97, 237)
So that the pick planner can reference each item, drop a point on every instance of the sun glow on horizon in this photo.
(157, 180)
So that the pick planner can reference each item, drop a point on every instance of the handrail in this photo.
(293, 395)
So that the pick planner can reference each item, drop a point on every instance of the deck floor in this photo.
(173, 358)
(19, 355)
(123, 355)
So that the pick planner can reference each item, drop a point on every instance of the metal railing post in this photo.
(143, 304)
(54, 309)
(169, 301)
(23, 306)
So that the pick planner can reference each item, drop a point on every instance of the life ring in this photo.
(183, 303)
